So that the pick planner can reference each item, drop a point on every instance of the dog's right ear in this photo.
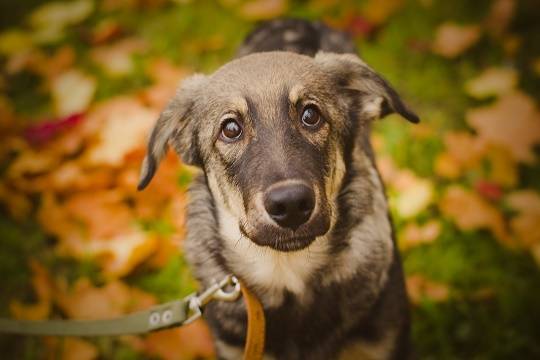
(175, 125)
(377, 97)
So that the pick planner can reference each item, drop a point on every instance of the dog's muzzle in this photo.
(289, 205)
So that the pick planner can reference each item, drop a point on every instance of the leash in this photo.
(164, 316)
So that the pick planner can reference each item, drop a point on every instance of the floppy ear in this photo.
(174, 125)
(377, 96)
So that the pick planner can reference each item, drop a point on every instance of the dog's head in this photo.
(271, 131)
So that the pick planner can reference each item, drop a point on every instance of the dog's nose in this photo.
(289, 205)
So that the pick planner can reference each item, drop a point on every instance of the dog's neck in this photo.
(364, 243)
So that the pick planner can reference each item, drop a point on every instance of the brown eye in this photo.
(231, 130)
(311, 117)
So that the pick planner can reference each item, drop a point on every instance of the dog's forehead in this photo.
(264, 73)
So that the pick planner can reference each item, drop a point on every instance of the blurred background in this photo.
(82, 82)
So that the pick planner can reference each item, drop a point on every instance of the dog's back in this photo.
(295, 35)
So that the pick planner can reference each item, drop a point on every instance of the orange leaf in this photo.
(471, 212)
(451, 39)
(86, 301)
(414, 235)
(185, 343)
(420, 288)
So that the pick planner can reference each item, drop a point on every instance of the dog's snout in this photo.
(289, 205)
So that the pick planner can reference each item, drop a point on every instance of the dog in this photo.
(289, 198)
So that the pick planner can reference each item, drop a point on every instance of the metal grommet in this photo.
(167, 316)
(154, 319)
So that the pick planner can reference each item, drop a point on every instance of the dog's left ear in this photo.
(377, 97)
(175, 127)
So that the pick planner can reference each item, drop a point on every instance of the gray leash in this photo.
(163, 316)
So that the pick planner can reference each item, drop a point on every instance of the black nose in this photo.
(289, 205)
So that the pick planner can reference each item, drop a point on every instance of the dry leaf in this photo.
(526, 225)
(471, 212)
(14, 42)
(263, 9)
(500, 16)
(414, 194)
(85, 301)
(447, 166)
(188, 342)
(452, 39)
(492, 81)
(43, 288)
(512, 122)
(78, 349)
(117, 59)
(377, 12)
(72, 92)
(166, 77)
(419, 288)
(125, 127)
(61, 14)
(413, 234)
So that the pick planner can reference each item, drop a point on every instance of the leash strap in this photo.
(159, 317)
(163, 316)
(254, 348)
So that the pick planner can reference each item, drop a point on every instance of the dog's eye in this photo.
(231, 130)
(311, 118)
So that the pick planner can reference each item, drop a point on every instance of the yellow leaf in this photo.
(263, 9)
(512, 122)
(72, 92)
(78, 349)
(492, 81)
(61, 14)
(413, 197)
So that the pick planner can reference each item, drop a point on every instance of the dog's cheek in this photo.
(226, 194)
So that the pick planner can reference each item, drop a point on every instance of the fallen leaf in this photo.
(512, 122)
(447, 166)
(378, 12)
(43, 287)
(526, 224)
(419, 289)
(263, 9)
(77, 349)
(85, 301)
(414, 194)
(166, 77)
(491, 82)
(188, 342)
(72, 92)
(117, 59)
(471, 212)
(414, 235)
(15, 42)
(452, 39)
(125, 127)
(488, 190)
(500, 15)
(61, 14)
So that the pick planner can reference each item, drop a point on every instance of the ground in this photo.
(78, 241)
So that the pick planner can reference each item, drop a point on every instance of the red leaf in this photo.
(489, 190)
(46, 130)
